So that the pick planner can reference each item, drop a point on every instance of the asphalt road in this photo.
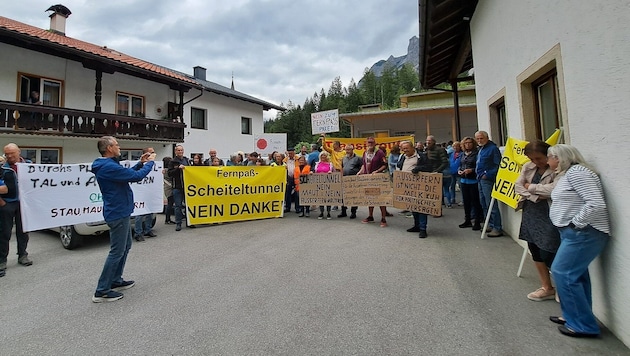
(290, 286)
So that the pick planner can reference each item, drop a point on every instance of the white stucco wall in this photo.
(510, 35)
(79, 82)
(224, 125)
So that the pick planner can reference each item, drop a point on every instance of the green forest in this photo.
(384, 90)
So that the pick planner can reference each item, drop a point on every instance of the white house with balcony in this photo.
(88, 90)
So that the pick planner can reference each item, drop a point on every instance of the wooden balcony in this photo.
(54, 121)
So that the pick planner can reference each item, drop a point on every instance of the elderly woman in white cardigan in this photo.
(579, 211)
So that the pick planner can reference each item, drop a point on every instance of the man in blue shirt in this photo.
(118, 204)
(488, 160)
(313, 157)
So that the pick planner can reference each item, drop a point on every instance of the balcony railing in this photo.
(48, 120)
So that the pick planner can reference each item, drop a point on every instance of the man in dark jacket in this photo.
(10, 211)
(176, 171)
(414, 161)
(439, 160)
(488, 160)
(118, 204)
(436, 154)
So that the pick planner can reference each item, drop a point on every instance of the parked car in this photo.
(72, 236)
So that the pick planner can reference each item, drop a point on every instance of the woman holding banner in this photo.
(579, 211)
(534, 185)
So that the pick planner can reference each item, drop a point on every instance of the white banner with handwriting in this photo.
(54, 195)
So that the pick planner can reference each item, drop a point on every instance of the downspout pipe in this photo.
(195, 98)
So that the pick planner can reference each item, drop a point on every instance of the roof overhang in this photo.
(402, 112)
(445, 46)
(230, 93)
(91, 60)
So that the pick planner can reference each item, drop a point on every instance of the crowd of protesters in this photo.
(564, 222)
(469, 166)
(565, 219)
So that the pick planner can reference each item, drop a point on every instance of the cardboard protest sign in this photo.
(367, 190)
(420, 192)
(321, 189)
(325, 121)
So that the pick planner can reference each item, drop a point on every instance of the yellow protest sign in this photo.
(359, 143)
(520, 157)
(222, 194)
(554, 138)
(509, 170)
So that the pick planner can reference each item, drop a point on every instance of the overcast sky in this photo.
(278, 50)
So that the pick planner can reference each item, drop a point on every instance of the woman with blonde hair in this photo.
(579, 211)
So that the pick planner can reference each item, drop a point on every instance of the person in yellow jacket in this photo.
(336, 153)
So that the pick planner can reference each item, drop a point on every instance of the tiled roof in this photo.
(220, 89)
(89, 48)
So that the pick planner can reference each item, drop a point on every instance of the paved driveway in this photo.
(291, 286)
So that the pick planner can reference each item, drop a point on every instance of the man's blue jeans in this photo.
(420, 220)
(120, 243)
(446, 192)
(178, 199)
(485, 197)
(451, 188)
(578, 247)
(143, 224)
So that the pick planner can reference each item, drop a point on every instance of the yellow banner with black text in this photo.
(510, 167)
(223, 194)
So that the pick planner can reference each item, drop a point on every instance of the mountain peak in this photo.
(412, 57)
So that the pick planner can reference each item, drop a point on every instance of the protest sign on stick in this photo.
(325, 121)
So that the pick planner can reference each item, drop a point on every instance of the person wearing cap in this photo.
(374, 162)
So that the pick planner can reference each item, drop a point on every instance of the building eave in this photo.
(445, 46)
